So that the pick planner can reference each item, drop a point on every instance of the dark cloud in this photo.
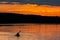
(49, 2)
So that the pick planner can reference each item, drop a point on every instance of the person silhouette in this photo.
(18, 35)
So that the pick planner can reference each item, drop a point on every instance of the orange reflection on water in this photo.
(44, 29)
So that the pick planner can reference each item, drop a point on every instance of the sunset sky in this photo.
(39, 2)
(31, 7)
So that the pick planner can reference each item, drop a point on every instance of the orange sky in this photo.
(27, 9)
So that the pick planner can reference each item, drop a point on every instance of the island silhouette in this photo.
(21, 18)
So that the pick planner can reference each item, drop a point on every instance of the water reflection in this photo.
(31, 32)
(24, 36)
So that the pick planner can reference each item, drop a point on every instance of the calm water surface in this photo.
(31, 32)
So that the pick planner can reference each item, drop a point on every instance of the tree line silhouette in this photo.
(20, 18)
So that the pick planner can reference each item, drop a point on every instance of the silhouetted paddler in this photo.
(17, 35)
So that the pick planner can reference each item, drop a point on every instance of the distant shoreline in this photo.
(10, 18)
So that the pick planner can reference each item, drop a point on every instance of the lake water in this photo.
(30, 32)
(23, 36)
